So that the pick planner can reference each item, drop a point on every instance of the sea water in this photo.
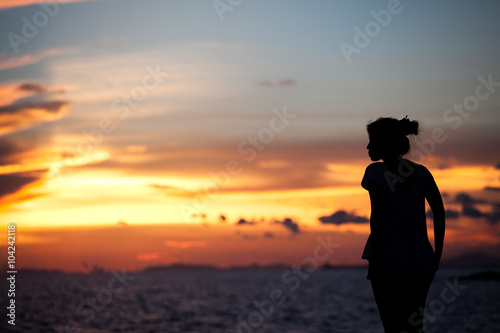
(261, 300)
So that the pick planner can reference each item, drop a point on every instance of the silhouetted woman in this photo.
(402, 262)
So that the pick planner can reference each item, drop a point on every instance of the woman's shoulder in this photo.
(420, 166)
(375, 166)
(422, 170)
(374, 172)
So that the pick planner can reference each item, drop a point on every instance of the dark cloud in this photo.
(8, 149)
(30, 109)
(49, 107)
(37, 88)
(290, 225)
(470, 210)
(32, 87)
(465, 199)
(22, 115)
(494, 217)
(249, 237)
(12, 183)
(244, 222)
(341, 216)
(448, 213)
(444, 166)
(491, 188)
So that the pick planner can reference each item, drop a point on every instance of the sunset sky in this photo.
(140, 133)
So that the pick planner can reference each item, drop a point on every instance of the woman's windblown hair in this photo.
(392, 133)
(408, 126)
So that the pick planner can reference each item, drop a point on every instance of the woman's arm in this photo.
(378, 207)
(436, 202)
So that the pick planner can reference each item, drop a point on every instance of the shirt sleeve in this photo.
(428, 178)
(372, 173)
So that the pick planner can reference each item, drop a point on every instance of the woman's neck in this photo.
(402, 168)
(393, 162)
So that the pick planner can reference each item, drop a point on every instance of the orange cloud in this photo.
(137, 149)
(7, 61)
(13, 186)
(148, 256)
(37, 88)
(18, 111)
(273, 164)
(185, 244)
(175, 191)
(9, 93)
(21, 166)
(21, 116)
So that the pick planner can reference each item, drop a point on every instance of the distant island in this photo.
(465, 260)
(472, 259)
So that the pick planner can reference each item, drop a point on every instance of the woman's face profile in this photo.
(373, 151)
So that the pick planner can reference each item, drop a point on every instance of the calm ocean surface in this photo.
(335, 300)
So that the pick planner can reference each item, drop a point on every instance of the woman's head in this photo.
(388, 137)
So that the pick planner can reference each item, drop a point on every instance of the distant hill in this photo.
(472, 259)
(188, 267)
(180, 267)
